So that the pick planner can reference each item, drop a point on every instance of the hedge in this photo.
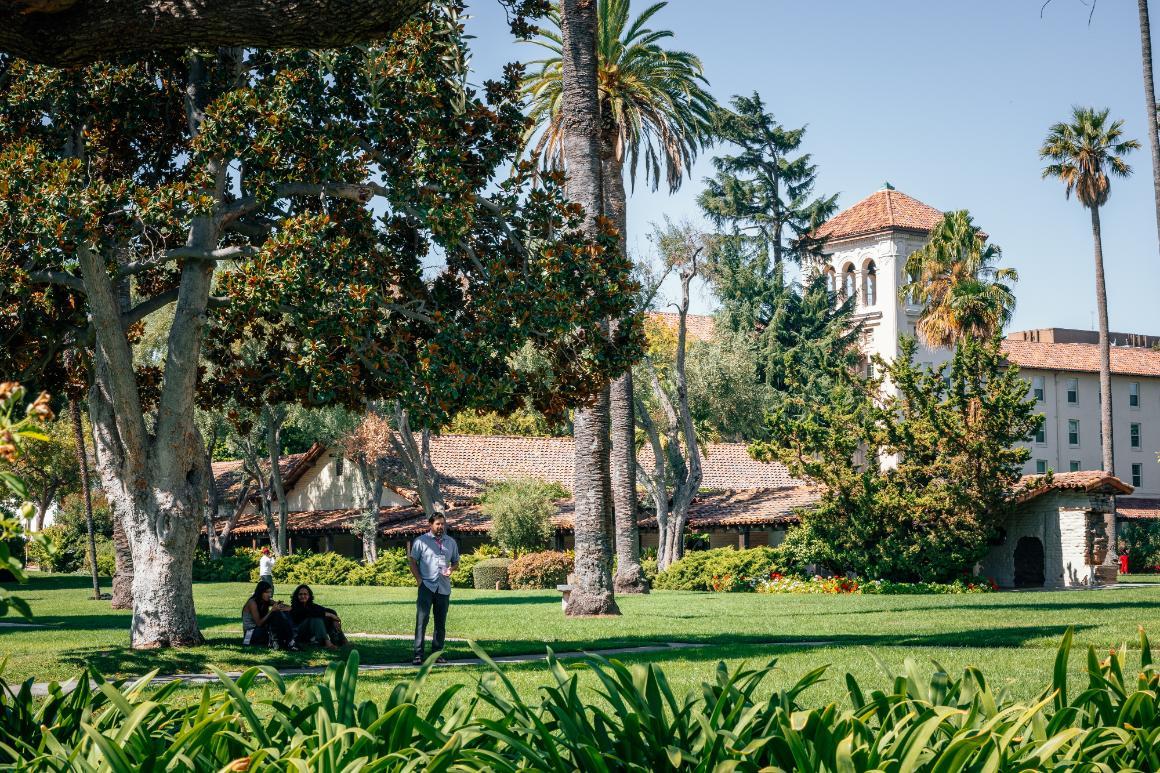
(491, 573)
(392, 569)
(917, 721)
(725, 569)
(313, 569)
(540, 570)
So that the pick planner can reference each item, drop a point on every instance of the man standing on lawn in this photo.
(434, 556)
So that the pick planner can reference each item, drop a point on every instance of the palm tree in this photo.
(653, 109)
(955, 278)
(592, 592)
(1150, 103)
(1082, 154)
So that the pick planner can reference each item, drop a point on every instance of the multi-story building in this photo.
(864, 256)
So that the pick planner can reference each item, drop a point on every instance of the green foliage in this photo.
(521, 513)
(1140, 540)
(106, 558)
(56, 549)
(70, 516)
(1085, 153)
(491, 573)
(463, 577)
(727, 397)
(522, 422)
(845, 585)
(762, 195)
(916, 720)
(705, 569)
(954, 430)
(391, 569)
(314, 569)
(239, 567)
(14, 436)
(803, 548)
(540, 570)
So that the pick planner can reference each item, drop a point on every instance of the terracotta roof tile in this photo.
(229, 476)
(882, 210)
(1082, 358)
(1091, 481)
(1137, 508)
(698, 327)
(467, 463)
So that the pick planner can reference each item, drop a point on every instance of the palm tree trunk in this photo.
(86, 489)
(592, 591)
(1150, 104)
(1105, 350)
(622, 457)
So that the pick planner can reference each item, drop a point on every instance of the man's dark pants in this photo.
(428, 599)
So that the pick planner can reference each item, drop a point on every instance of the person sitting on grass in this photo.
(265, 622)
(313, 622)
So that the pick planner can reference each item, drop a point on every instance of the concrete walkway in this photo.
(40, 689)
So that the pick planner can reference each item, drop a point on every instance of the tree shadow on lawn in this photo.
(39, 582)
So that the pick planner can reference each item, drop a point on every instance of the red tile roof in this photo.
(1082, 358)
(230, 477)
(1092, 481)
(698, 327)
(718, 509)
(883, 210)
(1137, 508)
(467, 463)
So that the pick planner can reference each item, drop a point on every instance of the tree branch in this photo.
(185, 253)
(61, 278)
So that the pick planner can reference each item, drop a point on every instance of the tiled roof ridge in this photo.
(1080, 357)
(890, 206)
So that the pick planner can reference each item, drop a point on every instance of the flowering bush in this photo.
(838, 585)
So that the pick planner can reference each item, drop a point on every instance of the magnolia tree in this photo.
(325, 208)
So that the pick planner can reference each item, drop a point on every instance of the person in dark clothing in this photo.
(265, 622)
(313, 622)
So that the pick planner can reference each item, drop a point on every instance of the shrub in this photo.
(71, 515)
(462, 577)
(239, 567)
(1140, 541)
(540, 570)
(491, 573)
(649, 567)
(106, 557)
(914, 721)
(846, 585)
(314, 569)
(724, 569)
(801, 549)
(391, 569)
(521, 514)
(56, 549)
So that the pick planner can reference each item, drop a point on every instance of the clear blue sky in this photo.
(949, 101)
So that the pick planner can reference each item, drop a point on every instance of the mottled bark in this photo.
(86, 491)
(66, 33)
(416, 458)
(1150, 104)
(373, 474)
(592, 592)
(654, 481)
(1108, 455)
(123, 568)
(275, 416)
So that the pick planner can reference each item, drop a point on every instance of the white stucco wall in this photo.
(1059, 454)
(1059, 521)
(322, 488)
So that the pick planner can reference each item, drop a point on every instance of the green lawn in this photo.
(1012, 636)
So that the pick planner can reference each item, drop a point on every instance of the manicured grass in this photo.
(1011, 636)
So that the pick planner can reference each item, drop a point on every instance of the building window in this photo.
(1134, 394)
(831, 280)
(338, 465)
(1073, 465)
(849, 283)
(1073, 391)
(870, 285)
(1134, 433)
(1037, 388)
(1041, 435)
(1073, 432)
(1137, 475)
(1040, 466)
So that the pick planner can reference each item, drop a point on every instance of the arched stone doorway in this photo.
(1029, 563)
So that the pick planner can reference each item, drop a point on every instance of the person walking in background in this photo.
(434, 556)
(266, 568)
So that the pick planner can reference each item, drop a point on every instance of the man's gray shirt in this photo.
(431, 556)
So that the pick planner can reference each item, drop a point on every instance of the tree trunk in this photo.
(274, 419)
(655, 482)
(86, 491)
(417, 459)
(373, 487)
(123, 568)
(1150, 104)
(43, 502)
(622, 460)
(211, 503)
(1105, 350)
(592, 592)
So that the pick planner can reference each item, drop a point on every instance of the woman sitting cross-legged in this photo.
(266, 622)
(313, 622)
